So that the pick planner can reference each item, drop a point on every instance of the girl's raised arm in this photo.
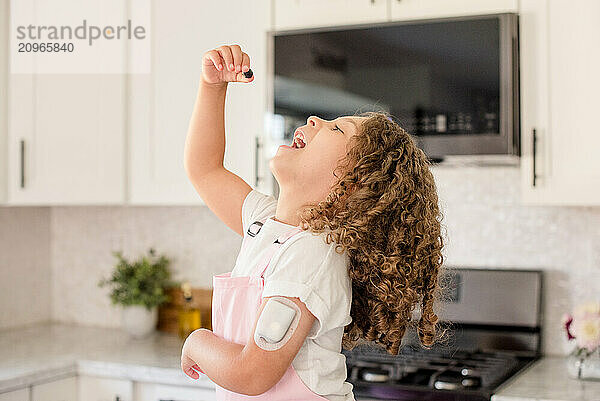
(222, 191)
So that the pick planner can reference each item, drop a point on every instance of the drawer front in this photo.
(58, 390)
(104, 389)
(162, 392)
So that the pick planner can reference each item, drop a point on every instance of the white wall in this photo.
(486, 226)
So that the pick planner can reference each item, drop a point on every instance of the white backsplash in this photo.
(25, 272)
(84, 237)
(52, 258)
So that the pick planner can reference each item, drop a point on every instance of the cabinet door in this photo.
(560, 89)
(161, 103)
(17, 395)
(104, 389)
(66, 134)
(534, 103)
(417, 9)
(58, 390)
(66, 140)
(295, 14)
(160, 392)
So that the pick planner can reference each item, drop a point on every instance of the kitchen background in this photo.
(125, 134)
(50, 253)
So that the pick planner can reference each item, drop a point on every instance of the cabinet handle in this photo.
(534, 152)
(256, 157)
(22, 163)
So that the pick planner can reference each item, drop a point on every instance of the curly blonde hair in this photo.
(383, 210)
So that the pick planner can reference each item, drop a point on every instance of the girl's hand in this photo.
(189, 367)
(225, 64)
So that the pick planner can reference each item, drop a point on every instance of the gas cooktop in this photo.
(469, 375)
(495, 317)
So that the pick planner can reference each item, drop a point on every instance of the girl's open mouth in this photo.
(293, 146)
(298, 141)
(289, 147)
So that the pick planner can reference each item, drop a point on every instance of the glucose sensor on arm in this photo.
(277, 322)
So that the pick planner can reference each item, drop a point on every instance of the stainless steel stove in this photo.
(496, 333)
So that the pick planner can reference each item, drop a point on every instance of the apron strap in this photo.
(260, 268)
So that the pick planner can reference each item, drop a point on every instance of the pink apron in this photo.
(235, 305)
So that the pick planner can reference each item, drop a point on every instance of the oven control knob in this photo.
(471, 381)
(375, 375)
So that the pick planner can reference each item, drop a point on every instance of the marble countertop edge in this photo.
(97, 368)
(547, 380)
(42, 375)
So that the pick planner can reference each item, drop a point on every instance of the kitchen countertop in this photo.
(51, 351)
(547, 380)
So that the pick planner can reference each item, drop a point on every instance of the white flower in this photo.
(586, 325)
(587, 308)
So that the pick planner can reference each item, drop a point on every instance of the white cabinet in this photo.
(66, 139)
(161, 103)
(16, 395)
(104, 389)
(58, 390)
(298, 14)
(65, 136)
(294, 14)
(159, 392)
(84, 388)
(423, 9)
(119, 138)
(559, 102)
(88, 388)
(4, 23)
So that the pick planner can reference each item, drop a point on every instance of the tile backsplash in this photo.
(53, 257)
(25, 273)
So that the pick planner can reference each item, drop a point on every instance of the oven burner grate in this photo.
(440, 369)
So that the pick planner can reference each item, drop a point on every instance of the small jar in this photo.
(190, 318)
(584, 367)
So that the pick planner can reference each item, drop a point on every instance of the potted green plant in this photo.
(139, 287)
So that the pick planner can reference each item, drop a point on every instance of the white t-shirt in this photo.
(306, 267)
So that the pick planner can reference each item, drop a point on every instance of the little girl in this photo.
(344, 255)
